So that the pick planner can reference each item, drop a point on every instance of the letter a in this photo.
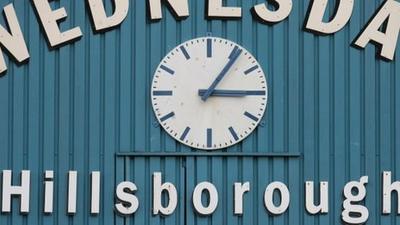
(390, 12)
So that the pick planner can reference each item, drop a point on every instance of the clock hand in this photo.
(224, 71)
(232, 93)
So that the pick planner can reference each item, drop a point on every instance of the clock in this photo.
(209, 93)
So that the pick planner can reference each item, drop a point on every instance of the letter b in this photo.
(158, 189)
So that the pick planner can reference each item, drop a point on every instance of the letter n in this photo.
(12, 41)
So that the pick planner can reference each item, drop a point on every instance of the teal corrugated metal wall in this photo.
(75, 107)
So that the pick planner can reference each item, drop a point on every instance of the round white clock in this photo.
(209, 93)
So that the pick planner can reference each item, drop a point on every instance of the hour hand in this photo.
(232, 93)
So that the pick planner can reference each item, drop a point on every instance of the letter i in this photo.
(48, 191)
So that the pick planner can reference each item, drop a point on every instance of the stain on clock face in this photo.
(209, 93)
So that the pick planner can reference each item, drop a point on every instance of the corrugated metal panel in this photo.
(75, 107)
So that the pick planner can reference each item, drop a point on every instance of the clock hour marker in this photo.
(185, 133)
(168, 70)
(247, 72)
(162, 93)
(233, 52)
(166, 117)
(209, 138)
(234, 134)
(184, 52)
(209, 48)
(251, 116)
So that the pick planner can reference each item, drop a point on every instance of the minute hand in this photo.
(224, 71)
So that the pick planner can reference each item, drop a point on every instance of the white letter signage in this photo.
(215, 9)
(343, 14)
(50, 19)
(22, 191)
(213, 198)
(323, 202)
(180, 8)
(128, 202)
(283, 11)
(390, 12)
(158, 189)
(100, 19)
(269, 196)
(14, 40)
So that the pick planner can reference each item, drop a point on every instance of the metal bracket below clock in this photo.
(211, 154)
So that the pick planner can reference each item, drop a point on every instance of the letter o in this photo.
(269, 198)
(197, 197)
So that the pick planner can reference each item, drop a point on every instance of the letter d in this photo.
(317, 11)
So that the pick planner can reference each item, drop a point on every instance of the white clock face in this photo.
(209, 93)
